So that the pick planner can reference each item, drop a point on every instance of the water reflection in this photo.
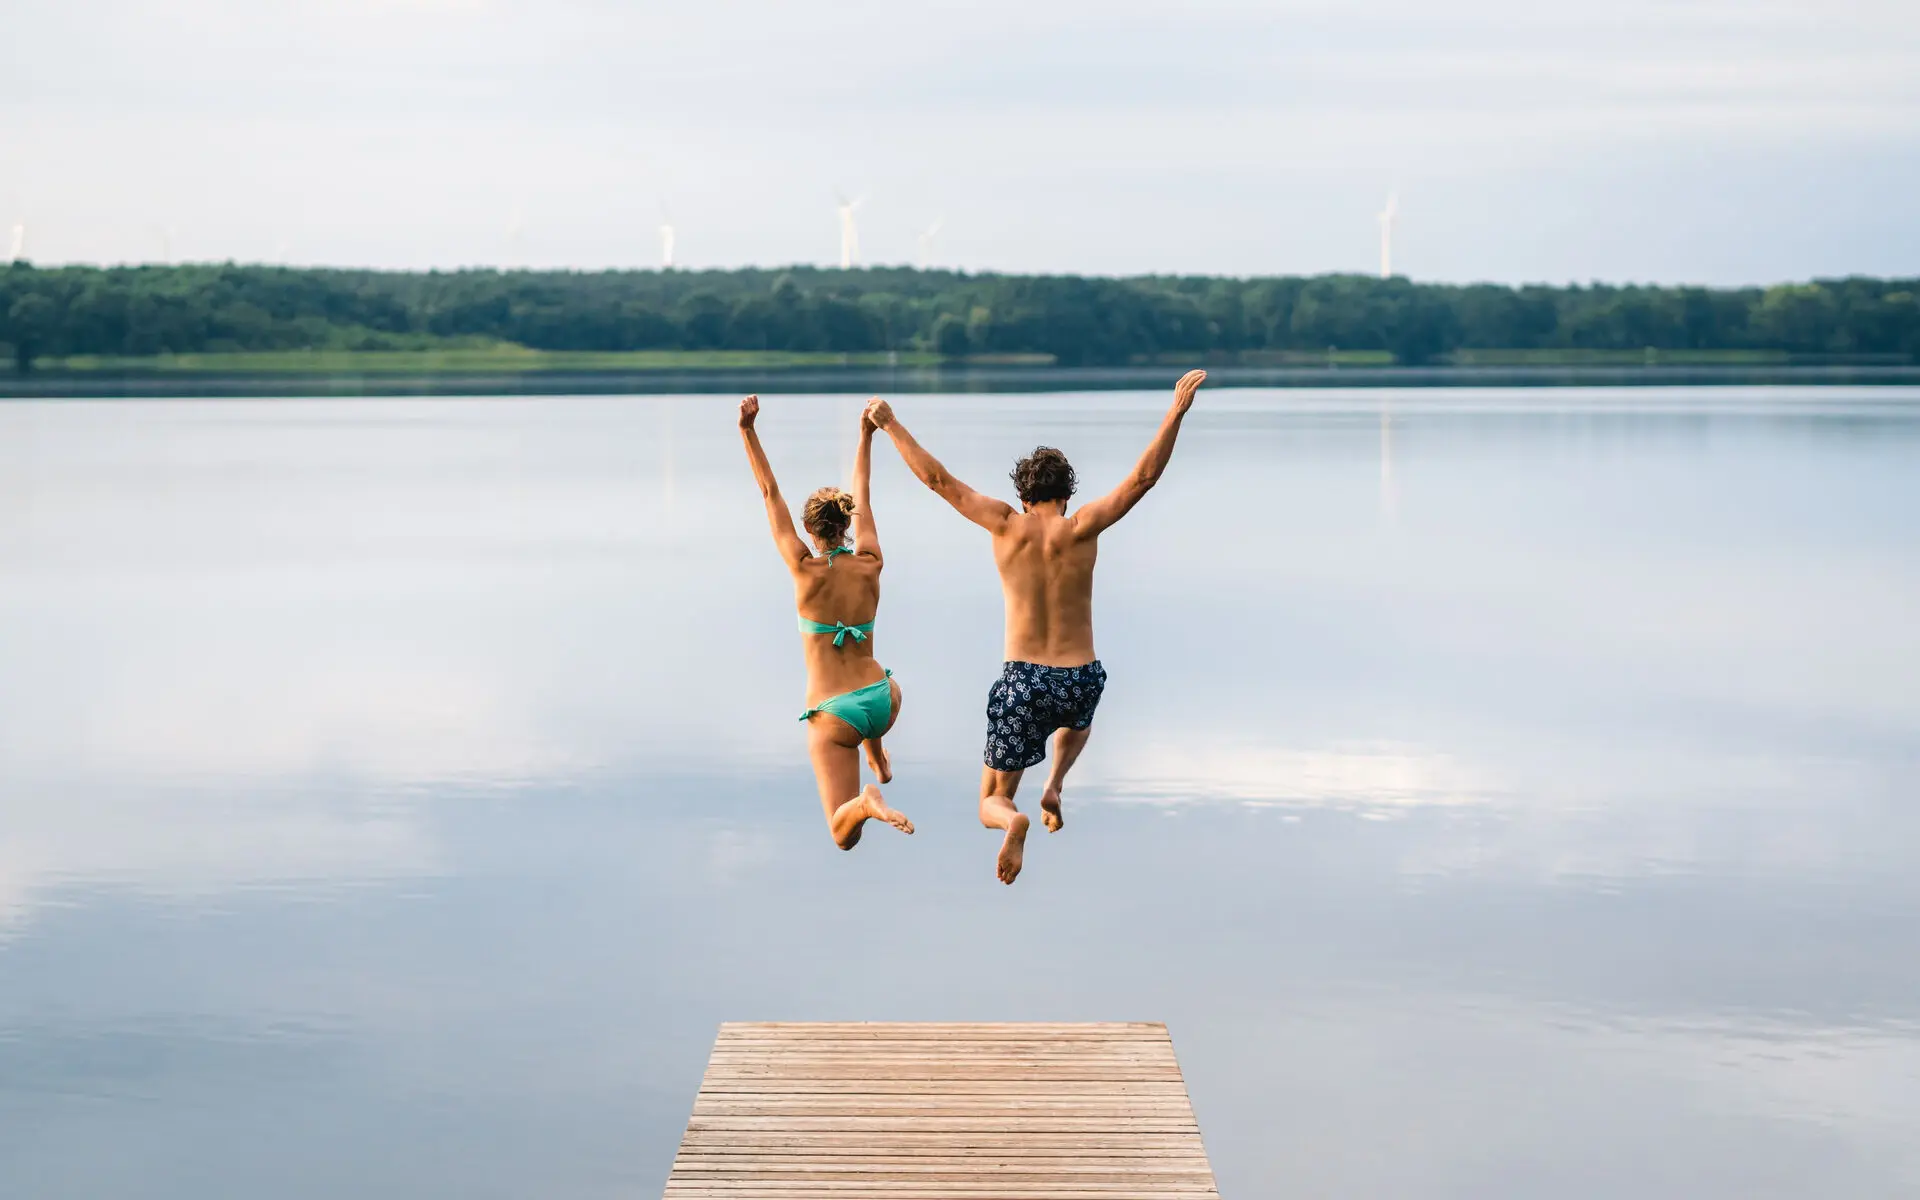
(393, 795)
(1389, 497)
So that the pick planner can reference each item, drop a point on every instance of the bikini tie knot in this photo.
(841, 630)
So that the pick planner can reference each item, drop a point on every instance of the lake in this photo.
(1499, 793)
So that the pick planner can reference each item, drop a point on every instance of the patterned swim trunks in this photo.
(1028, 702)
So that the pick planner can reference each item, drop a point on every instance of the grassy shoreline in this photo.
(505, 360)
(516, 360)
(241, 377)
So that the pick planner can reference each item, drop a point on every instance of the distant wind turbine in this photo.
(1386, 218)
(666, 240)
(19, 242)
(849, 233)
(926, 242)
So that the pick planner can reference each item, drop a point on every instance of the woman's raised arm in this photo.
(778, 518)
(866, 538)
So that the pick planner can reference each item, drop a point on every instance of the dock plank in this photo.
(942, 1111)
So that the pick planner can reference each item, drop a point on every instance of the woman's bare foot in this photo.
(878, 762)
(1014, 849)
(867, 806)
(1050, 810)
(878, 810)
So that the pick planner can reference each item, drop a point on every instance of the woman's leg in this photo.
(876, 753)
(835, 749)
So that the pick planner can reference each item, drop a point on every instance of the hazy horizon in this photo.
(1679, 142)
(776, 268)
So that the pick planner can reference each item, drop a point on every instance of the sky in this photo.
(1670, 141)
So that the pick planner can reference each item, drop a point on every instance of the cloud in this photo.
(1197, 769)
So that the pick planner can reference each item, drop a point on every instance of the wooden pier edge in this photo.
(932, 1111)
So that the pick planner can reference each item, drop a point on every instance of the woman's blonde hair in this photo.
(827, 514)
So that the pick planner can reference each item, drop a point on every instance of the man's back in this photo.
(1046, 573)
(1046, 556)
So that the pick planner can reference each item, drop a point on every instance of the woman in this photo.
(851, 700)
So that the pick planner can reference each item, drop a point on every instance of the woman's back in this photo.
(841, 591)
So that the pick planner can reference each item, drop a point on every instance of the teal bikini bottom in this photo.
(867, 709)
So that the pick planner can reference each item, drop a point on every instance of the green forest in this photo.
(212, 309)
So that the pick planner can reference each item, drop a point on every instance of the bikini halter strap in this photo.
(837, 550)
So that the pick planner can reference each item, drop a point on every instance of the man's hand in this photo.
(749, 409)
(1184, 390)
(879, 413)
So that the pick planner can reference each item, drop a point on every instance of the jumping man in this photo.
(1052, 680)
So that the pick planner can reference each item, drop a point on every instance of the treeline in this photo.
(213, 308)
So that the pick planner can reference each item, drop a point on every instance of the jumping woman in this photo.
(851, 701)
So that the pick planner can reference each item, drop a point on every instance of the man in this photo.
(1052, 680)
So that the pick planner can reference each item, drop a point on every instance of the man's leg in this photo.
(1067, 745)
(997, 812)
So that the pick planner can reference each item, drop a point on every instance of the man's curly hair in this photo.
(1043, 475)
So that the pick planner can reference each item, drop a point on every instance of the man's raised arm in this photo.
(1098, 514)
(984, 511)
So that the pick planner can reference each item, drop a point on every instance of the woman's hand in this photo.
(879, 414)
(749, 409)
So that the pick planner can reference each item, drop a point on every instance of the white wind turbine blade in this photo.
(849, 232)
(926, 242)
(1387, 217)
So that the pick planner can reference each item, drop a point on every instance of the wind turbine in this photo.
(666, 239)
(1386, 218)
(19, 242)
(849, 234)
(926, 242)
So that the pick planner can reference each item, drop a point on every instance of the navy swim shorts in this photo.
(1028, 702)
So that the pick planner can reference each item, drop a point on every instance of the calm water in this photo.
(1499, 794)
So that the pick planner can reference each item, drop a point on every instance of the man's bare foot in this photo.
(1014, 849)
(878, 810)
(1050, 810)
(878, 762)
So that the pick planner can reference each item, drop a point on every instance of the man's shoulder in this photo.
(1081, 530)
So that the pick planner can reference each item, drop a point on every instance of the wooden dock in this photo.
(927, 1112)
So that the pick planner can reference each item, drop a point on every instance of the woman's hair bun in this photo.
(827, 514)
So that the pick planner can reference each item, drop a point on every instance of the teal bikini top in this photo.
(839, 630)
